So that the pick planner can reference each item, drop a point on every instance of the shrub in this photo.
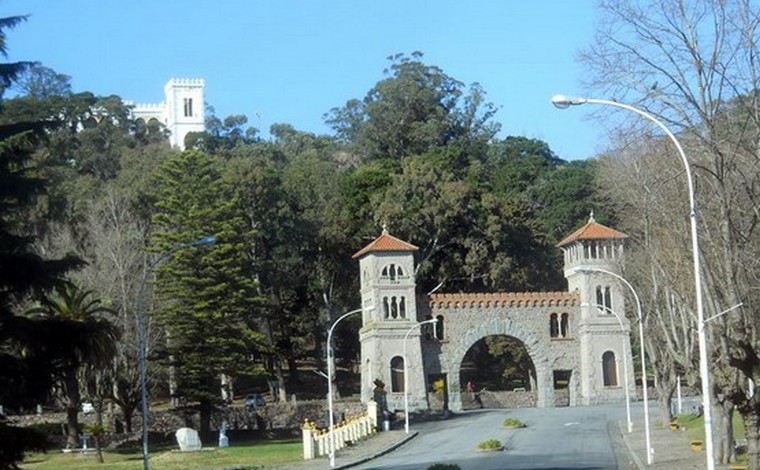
(513, 423)
(490, 444)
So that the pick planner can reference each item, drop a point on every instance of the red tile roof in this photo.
(385, 242)
(592, 231)
(506, 299)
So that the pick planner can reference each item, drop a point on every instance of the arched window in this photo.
(397, 374)
(604, 300)
(391, 272)
(438, 328)
(386, 308)
(402, 307)
(609, 369)
(553, 326)
(394, 308)
(564, 325)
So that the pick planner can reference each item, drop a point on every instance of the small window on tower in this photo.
(188, 107)
(553, 325)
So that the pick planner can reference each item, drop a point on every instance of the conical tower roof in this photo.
(385, 242)
(592, 231)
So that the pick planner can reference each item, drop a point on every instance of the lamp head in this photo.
(207, 240)
(564, 102)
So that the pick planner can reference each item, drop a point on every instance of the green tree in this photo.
(469, 239)
(210, 292)
(24, 359)
(83, 338)
(416, 108)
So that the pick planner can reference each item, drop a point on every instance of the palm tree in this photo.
(80, 337)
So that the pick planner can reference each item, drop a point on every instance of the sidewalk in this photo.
(364, 450)
(671, 449)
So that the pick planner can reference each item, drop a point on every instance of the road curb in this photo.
(380, 453)
(635, 457)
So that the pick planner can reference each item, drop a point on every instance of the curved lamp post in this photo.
(563, 102)
(643, 359)
(207, 240)
(625, 369)
(406, 375)
(330, 367)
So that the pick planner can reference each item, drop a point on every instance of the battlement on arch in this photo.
(505, 299)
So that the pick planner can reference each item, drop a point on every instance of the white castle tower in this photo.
(181, 112)
(390, 342)
(604, 336)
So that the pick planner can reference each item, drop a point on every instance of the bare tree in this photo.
(694, 64)
(117, 264)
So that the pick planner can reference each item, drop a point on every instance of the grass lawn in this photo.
(242, 456)
(695, 426)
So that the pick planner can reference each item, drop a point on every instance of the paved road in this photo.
(579, 438)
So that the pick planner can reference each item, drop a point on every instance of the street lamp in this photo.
(625, 368)
(406, 375)
(330, 367)
(207, 240)
(563, 102)
(641, 344)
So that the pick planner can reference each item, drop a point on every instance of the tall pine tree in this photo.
(210, 292)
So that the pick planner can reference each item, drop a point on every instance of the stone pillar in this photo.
(308, 439)
(372, 412)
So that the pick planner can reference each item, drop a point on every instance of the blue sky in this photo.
(292, 61)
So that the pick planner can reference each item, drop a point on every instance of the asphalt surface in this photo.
(579, 438)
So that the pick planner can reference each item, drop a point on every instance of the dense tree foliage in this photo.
(26, 362)
(418, 153)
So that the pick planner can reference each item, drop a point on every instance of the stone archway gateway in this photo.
(566, 334)
(507, 327)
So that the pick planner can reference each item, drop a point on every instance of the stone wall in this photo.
(164, 423)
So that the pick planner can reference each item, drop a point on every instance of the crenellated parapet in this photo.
(147, 106)
(186, 82)
(505, 299)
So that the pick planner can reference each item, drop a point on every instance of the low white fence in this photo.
(317, 442)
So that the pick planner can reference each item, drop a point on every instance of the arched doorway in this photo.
(453, 356)
(497, 372)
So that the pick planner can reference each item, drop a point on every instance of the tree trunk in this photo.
(228, 394)
(752, 430)
(664, 401)
(205, 409)
(126, 413)
(98, 430)
(280, 375)
(723, 431)
(293, 370)
(71, 389)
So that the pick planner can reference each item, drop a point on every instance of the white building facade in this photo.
(181, 112)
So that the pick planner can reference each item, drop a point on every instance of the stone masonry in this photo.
(581, 336)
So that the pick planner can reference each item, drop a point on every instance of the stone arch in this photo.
(504, 326)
